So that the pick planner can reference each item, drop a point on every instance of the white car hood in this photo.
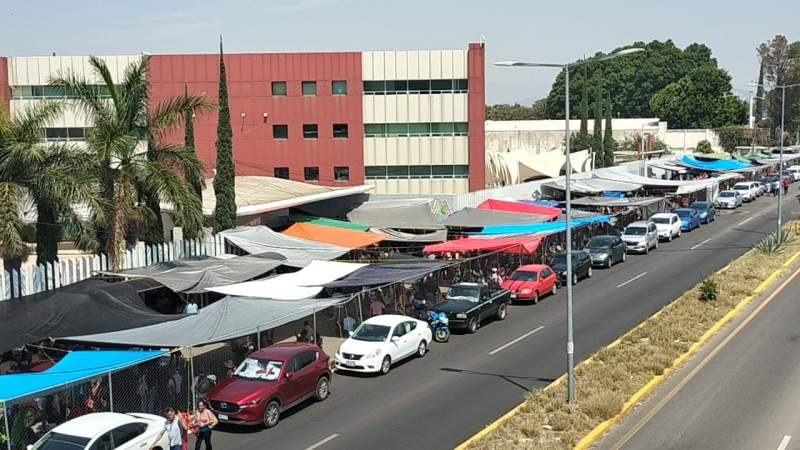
(663, 226)
(633, 237)
(357, 347)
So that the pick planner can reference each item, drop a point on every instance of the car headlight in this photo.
(525, 291)
(564, 273)
(602, 255)
(461, 316)
(250, 404)
(374, 354)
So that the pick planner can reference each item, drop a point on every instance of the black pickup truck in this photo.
(469, 304)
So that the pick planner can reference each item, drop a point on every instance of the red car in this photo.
(531, 281)
(270, 381)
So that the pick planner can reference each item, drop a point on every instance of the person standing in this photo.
(376, 307)
(205, 421)
(174, 430)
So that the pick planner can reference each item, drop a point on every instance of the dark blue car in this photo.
(706, 211)
(690, 219)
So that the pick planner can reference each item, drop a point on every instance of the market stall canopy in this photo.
(75, 367)
(543, 228)
(88, 306)
(392, 235)
(397, 213)
(595, 185)
(382, 274)
(613, 202)
(517, 207)
(341, 237)
(193, 276)
(305, 283)
(478, 218)
(298, 252)
(329, 222)
(225, 319)
(620, 173)
(717, 165)
(517, 245)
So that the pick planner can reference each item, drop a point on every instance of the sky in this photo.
(532, 30)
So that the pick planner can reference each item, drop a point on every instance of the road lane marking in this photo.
(632, 279)
(745, 221)
(699, 244)
(784, 442)
(323, 442)
(503, 347)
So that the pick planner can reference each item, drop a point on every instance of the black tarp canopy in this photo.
(85, 307)
(380, 274)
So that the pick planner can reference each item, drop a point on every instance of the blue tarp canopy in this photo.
(546, 227)
(75, 367)
(719, 165)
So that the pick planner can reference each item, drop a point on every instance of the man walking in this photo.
(174, 430)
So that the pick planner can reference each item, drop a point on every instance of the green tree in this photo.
(225, 178)
(597, 134)
(609, 144)
(763, 55)
(581, 140)
(123, 124)
(515, 111)
(704, 146)
(195, 180)
(731, 137)
(782, 67)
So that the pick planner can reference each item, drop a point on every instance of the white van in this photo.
(795, 171)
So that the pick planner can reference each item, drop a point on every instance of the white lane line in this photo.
(503, 347)
(784, 442)
(745, 221)
(699, 244)
(632, 279)
(323, 442)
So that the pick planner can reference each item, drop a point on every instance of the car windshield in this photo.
(739, 187)
(371, 333)
(663, 220)
(259, 369)
(523, 276)
(600, 242)
(727, 194)
(463, 293)
(684, 213)
(58, 441)
(635, 231)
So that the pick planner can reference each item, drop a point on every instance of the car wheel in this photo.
(272, 414)
(679, 233)
(472, 325)
(502, 311)
(624, 256)
(535, 298)
(323, 389)
(589, 273)
(646, 249)
(609, 261)
(554, 290)
(574, 278)
(386, 365)
(669, 238)
(422, 348)
(656, 244)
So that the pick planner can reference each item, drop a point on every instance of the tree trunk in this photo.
(49, 232)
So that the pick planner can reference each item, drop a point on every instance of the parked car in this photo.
(690, 219)
(794, 172)
(706, 211)
(531, 281)
(606, 250)
(381, 341)
(581, 266)
(772, 183)
(270, 381)
(747, 190)
(668, 225)
(469, 304)
(640, 236)
(729, 199)
(761, 189)
(106, 430)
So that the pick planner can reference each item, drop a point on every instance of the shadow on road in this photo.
(508, 378)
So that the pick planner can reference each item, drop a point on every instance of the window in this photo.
(439, 86)
(76, 134)
(104, 442)
(419, 129)
(30, 92)
(280, 131)
(339, 87)
(461, 128)
(310, 131)
(306, 359)
(397, 172)
(311, 173)
(340, 130)
(420, 86)
(281, 172)
(410, 326)
(341, 173)
(279, 89)
(442, 171)
(420, 171)
(54, 92)
(375, 172)
(392, 87)
(309, 88)
(374, 129)
(397, 129)
(374, 87)
(416, 172)
(124, 433)
(55, 134)
(442, 129)
(416, 129)
(397, 87)
(399, 330)
(461, 171)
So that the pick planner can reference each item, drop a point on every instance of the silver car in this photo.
(640, 237)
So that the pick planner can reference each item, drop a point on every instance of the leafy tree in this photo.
(515, 111)
(701, 99)
(195, 180)
(782, 67)
(609, 144)
(704, 146)
(597, 134)
(581, 140)
(731, 137)
(122, 125)
(763, 55)
(225, 178)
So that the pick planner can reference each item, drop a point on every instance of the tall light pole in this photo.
(780, 154)
(568, 220)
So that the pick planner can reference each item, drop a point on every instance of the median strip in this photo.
(503, 347)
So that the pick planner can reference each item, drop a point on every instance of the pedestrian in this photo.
(785, 186)
(205, 420)
(174, 429)
(376, 307)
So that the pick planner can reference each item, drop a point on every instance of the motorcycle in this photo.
(438, 323)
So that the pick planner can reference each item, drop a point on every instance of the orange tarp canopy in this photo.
(331, 235)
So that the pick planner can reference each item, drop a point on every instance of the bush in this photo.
(709, 290)
(774, 243)
(731, 137)
(704, 146)
(603, 405)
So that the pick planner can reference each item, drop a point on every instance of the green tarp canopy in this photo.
(329, 222)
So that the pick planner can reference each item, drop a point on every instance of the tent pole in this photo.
(314, 337)
(360, 314)
(110, 393)
(191, 376)
(258, 337)
(7, 430)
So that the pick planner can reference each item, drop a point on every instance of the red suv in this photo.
(270, 381)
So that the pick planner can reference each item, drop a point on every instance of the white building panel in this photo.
(390, 109)
(460, 64)
(460, 150)
(389, 66)
(378, 65)
(436, 64)
(38, 70)
(424, 72)
(436, 109)
(447, 64)
(401, 65)
(366, 66)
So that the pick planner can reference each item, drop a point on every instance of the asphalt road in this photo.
(744, 397)
(461, 386)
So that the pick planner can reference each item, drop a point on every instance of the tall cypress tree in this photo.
(609, 144)
(581, 140)
(597, 136)
(188, 141)
(224, 180)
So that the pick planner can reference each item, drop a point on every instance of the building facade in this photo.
(404, 121)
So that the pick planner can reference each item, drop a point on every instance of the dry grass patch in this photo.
(605, 382)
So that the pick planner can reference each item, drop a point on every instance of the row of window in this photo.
(310, 131)
(394, 87)
(415, 172)
(416, 129)
(54, 92)
(308, 88)
(65, 134)
(312, 173)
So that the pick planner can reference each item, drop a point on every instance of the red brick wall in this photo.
(477, 115)
(5, 90)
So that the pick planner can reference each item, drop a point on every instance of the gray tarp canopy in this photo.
(405, 213)
(610, 201)
(298, 252)
(619, 173)
(477, 218)
(595, 185)
(193, 276)
(393, 235)
(228, 318)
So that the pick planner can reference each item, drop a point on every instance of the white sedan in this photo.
(667, 224)
(382, 341)
(729, 199)
(106, 430)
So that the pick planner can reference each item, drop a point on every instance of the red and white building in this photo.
(403, 121)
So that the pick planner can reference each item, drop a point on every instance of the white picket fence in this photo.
(45, 277)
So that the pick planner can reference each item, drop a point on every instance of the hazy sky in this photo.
(534, 30)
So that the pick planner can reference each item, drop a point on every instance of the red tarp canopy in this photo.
(517, 207)
(517, 244)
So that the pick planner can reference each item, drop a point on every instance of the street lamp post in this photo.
(568, 219)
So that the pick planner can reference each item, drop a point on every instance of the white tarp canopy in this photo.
(595, 185)
(228, 318)
(298, 252)
(305, 283)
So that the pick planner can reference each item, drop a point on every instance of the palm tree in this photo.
(133, 162)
